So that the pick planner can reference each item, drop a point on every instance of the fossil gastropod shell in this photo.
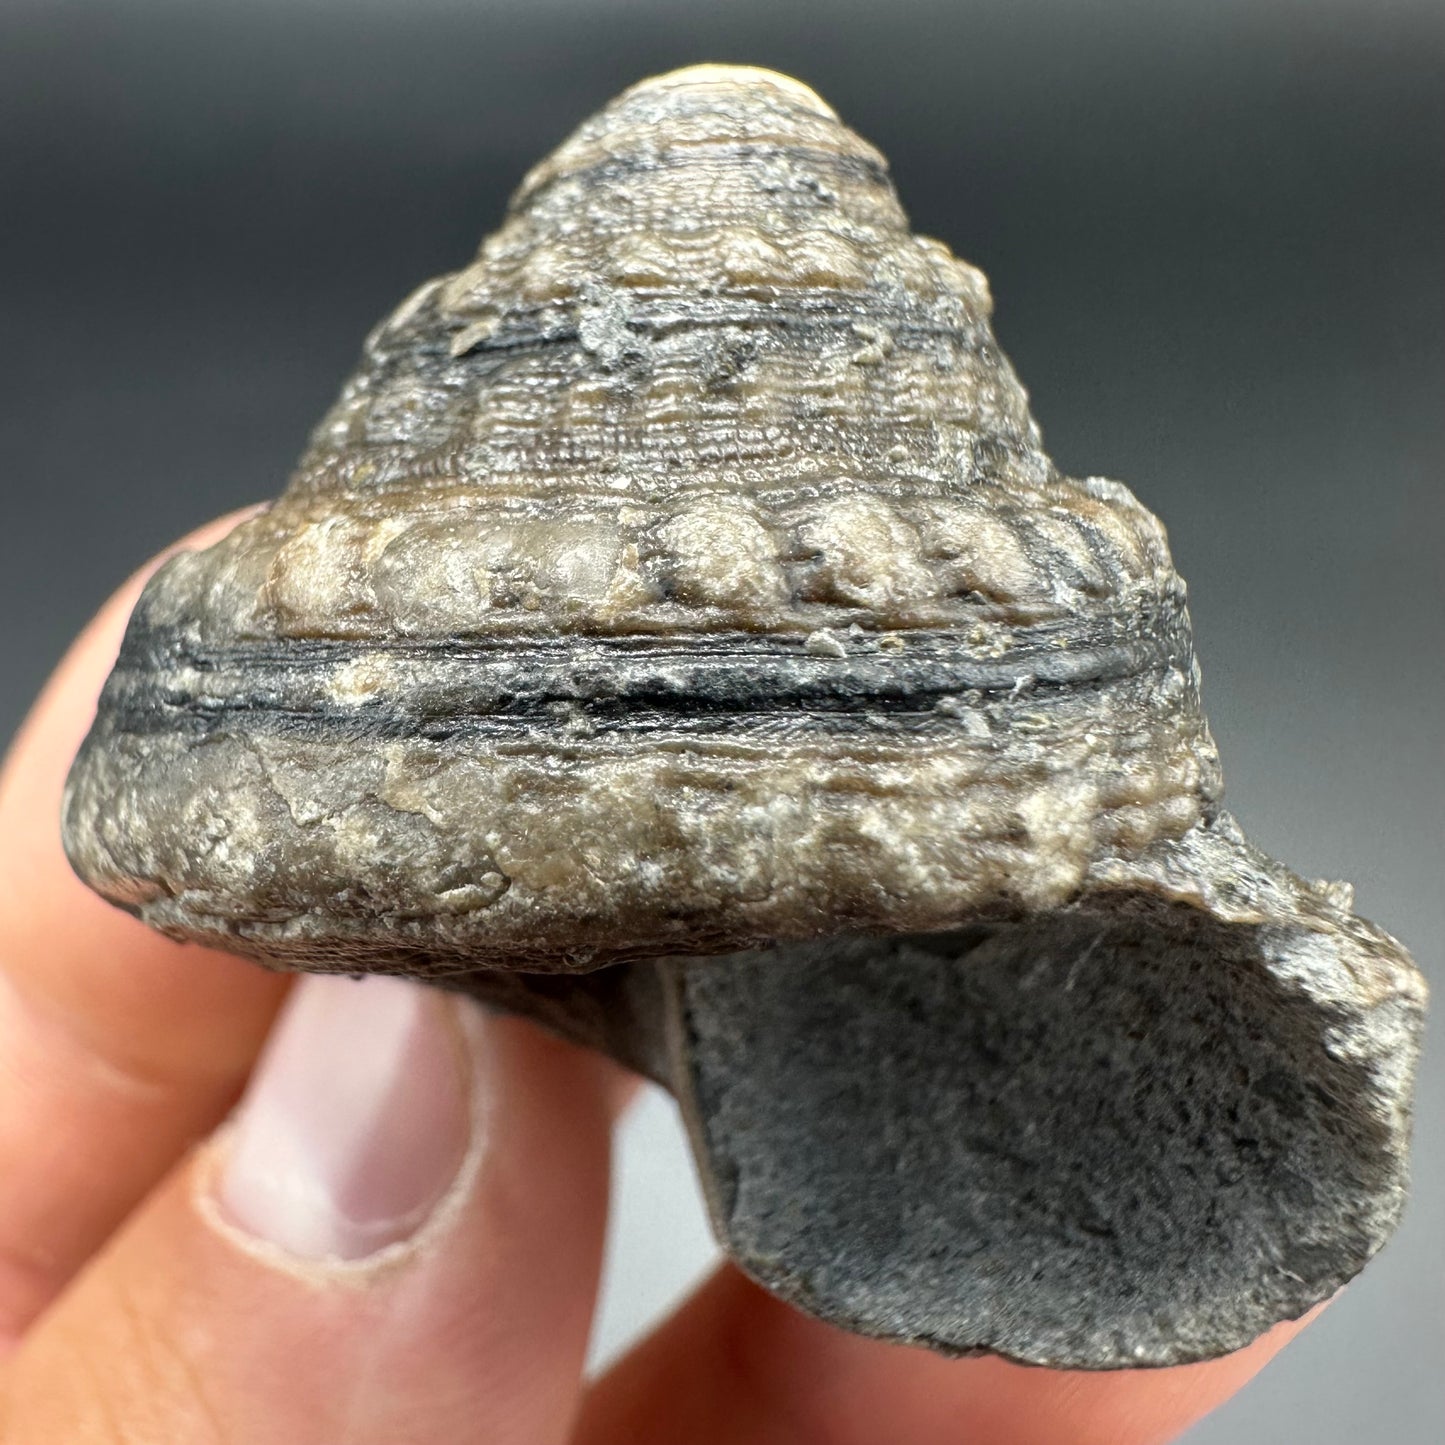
(677, 631)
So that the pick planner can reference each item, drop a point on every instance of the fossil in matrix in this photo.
(677, 632)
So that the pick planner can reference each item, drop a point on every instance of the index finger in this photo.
(117, 1047)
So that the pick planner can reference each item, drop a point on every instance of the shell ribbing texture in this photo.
(704, 376)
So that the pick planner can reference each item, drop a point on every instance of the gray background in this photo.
(1215, 232)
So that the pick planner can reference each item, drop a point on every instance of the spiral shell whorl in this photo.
(764, 522)
(703, 376)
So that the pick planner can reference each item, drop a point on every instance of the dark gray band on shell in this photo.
(165, 680)
(742, 158)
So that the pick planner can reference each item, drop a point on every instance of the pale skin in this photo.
(133, 1310)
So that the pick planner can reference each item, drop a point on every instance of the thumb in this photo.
(396, 1240)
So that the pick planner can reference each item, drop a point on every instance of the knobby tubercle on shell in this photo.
(677, 633)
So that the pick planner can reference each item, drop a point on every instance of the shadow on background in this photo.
(1215, 234)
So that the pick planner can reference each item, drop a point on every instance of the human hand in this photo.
(395, 1239)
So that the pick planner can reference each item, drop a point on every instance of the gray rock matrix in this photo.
(676, 632)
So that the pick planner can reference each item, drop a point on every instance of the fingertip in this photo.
(117, 1047)
(355, 1121)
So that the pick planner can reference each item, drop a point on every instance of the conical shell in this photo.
(683, 574)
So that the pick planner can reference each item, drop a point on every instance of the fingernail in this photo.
(355, 1121)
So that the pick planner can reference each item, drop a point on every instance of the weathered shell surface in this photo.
(686, 575)
(683, 574)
